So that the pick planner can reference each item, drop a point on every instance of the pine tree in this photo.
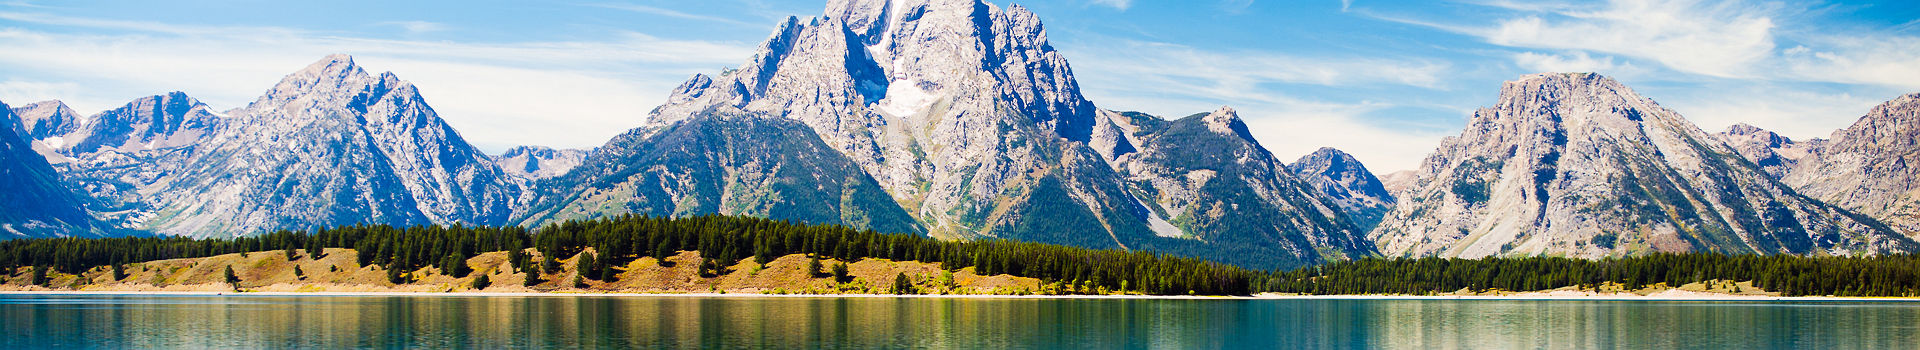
(840, 273)
(762, 253)
(40, 275)
(583, 265)
(662, 251)
(314, 249)
(902, 285)
(481, 282)
(231, 278)
(395, 276)
(119, 272)
(533, 278)
(813, 267)
(291, 254)
(608, 274)
(517, 258)
(578, 282)
(298, 273)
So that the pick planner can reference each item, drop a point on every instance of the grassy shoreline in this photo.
(1509, 297)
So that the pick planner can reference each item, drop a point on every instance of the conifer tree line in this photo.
(1790, 275)
(722, 241)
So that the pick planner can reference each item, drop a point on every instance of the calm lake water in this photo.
(129, 321)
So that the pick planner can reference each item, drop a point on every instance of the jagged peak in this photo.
(1907, 101)
(331, 65)
(45, 119)
(1227, 121)
(1562, 81)
(54, 106)
(174, 97)
(1745, 129)
(1328, 153)
(330, 71)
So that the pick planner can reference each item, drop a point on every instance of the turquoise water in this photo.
(129, 321)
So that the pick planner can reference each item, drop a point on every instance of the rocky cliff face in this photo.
(1580, 165)
(43, 124)
(156, 122)
(535, 162)
(331, 145)
(34, 203)
(1343, 180)
(1776, 154)
(1205, 178)
(1870, 166)
(722, 164)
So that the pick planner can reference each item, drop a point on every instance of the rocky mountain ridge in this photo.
(1579, 165)
(1869, 166)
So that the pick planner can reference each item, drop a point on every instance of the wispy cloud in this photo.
(416, 27)
(1719, 39)
(1117, 4)
(564, 94)
(637, 8)
(20, 92)
(1574, 62)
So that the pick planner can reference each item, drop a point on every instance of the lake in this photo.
(201, 321)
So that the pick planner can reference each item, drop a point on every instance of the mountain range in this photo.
(957, 119)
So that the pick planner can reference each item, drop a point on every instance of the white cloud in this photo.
(1796, 113)
(1575, 62)
(1713, 39)
(1174, 80)
(1885, 60)
(1118, 4)
(1382, 150)
(562, 94)
(19, 92)
(416, 27)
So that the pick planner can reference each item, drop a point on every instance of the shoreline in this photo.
(1516, 297)
(621, 295)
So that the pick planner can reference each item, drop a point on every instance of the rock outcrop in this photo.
(1776, 154)
(1872, 166)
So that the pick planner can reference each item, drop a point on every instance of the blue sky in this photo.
(1383, 80)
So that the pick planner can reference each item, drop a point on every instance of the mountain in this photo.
(1341, 178)
(1579, 165)
(1210, 186)
(44, 123)
(535, 162)
(36, 204)
(1872, 166)
(1776, 154)
(155, 122)
(330, 145)
(118, 155)
(961, 112)
(721, 164)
